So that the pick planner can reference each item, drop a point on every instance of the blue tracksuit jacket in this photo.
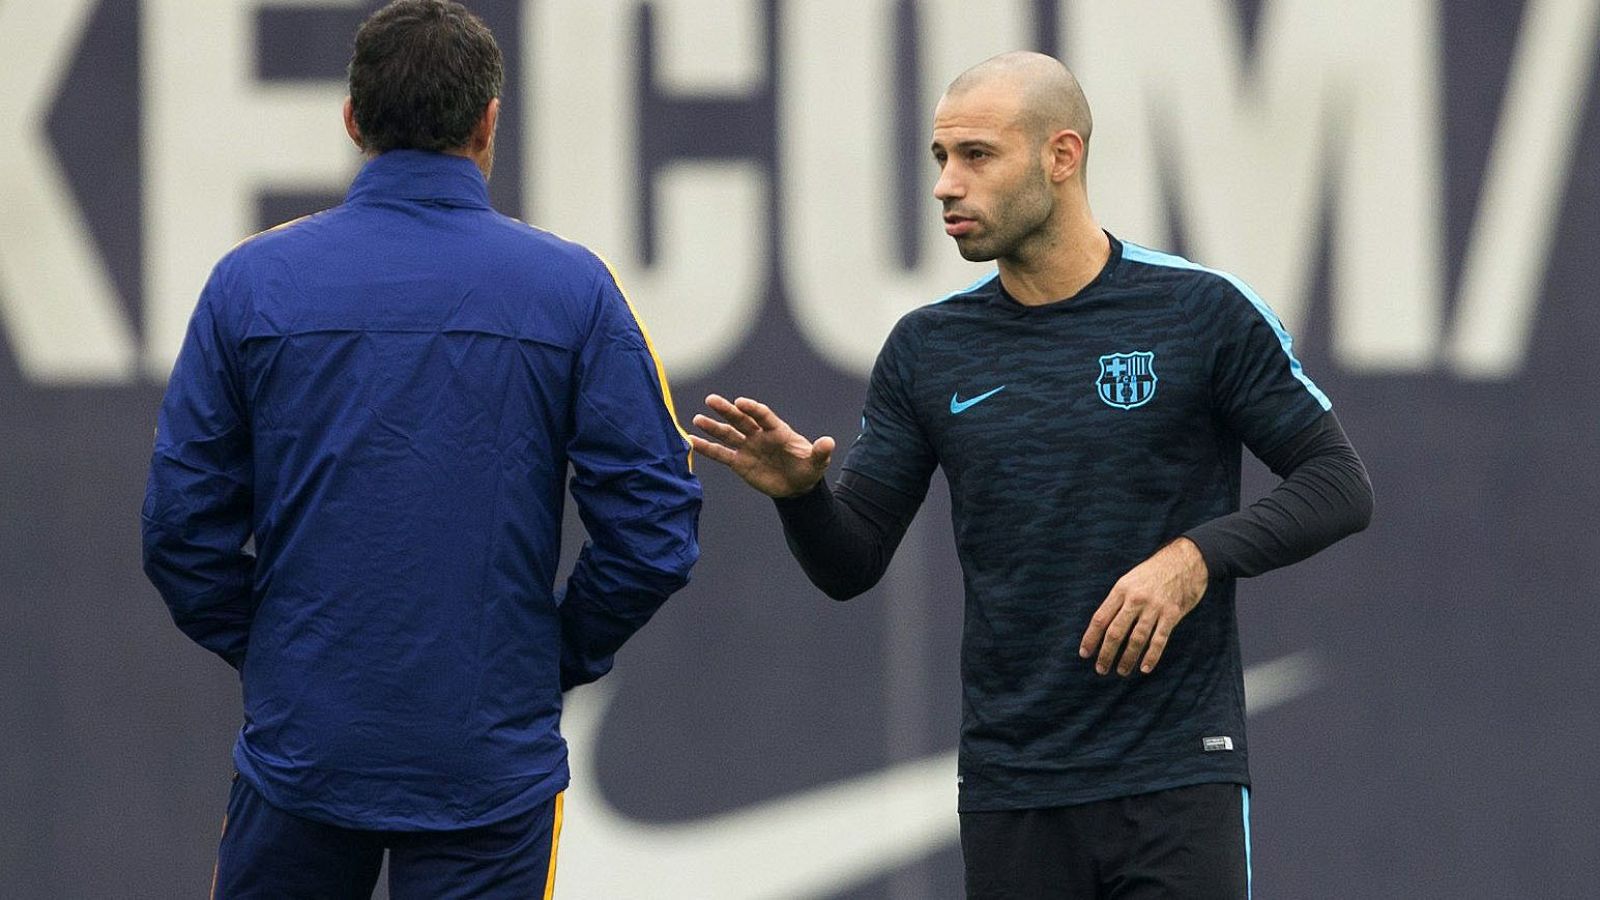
(385, 399)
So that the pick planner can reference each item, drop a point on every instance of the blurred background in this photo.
(1411, 183)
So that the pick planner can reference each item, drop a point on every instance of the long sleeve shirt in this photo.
(357, 488)
(1078, 437)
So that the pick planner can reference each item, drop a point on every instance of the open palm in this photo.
(761, 448)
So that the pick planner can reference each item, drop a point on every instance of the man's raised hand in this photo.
(761, 448)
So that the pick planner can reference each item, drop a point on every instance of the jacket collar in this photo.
(420, 175)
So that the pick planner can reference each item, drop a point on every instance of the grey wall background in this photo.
(1425, 713)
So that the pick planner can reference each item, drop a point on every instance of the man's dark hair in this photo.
(422, 74)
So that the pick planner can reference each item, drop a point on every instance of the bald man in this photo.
(1088, 403)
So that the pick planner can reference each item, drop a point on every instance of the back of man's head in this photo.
(422, 74)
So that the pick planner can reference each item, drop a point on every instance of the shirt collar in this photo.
(1106, 275)
(420, 175)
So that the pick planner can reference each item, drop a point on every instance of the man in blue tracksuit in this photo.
(356, 498)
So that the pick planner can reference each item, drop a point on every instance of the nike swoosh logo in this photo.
(958, 406)
(815, 843)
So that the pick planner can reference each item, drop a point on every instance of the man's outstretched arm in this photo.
(843, 537)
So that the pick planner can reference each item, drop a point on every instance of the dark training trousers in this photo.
(268, 853)
(1188, 843)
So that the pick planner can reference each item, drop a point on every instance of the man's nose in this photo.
(948, 187)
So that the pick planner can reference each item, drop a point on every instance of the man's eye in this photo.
(977, 154)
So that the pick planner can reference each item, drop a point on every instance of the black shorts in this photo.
(1188, 843)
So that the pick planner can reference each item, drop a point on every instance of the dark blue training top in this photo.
(387, 397)
(1078, 437)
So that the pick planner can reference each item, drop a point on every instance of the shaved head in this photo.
(1011, 138)
(1049, 98)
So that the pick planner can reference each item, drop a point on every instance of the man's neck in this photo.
(1059, 271)
(484, 159)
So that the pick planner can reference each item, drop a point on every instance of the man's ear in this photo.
(350, 126)
(1066, 150)
(483, 132)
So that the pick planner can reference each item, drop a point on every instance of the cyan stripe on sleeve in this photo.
(1140, 254)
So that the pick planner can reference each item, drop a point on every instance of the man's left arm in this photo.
(1324, 496)
(1263, 396)
(1261, 392)
(197, 506)
(636, 494)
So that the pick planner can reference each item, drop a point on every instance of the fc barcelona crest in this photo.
(1127, 379)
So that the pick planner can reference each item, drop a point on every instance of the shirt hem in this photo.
(1047, 799)
(286, 799)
